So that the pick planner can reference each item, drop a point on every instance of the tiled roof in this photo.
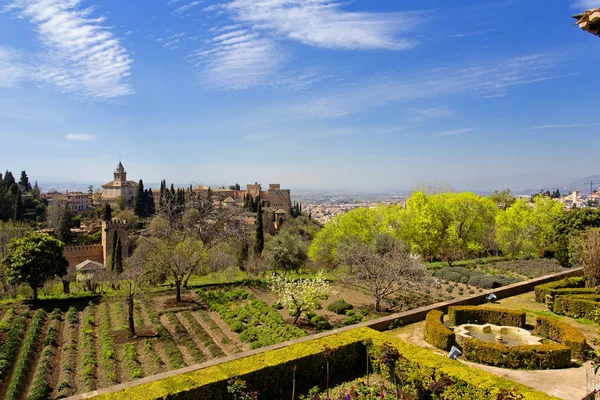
(589, 21)
(111, 184)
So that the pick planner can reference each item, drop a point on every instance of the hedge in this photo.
(543, 356)
(480, 315)
(436, 333)
(581, 306)
(474, 277)
(564, 333)
(270, 372)
(575, 285)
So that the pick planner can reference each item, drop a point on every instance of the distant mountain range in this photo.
(583, 185)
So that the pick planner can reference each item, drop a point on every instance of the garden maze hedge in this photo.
(460, 315)
(436, 333)
(563, 333)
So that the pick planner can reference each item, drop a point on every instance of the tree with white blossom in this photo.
(300, 296)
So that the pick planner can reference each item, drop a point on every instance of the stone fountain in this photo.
(506, 335)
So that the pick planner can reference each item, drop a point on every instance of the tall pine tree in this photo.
(150, 206)
(259, 244)
(117, 256)
(139, 204)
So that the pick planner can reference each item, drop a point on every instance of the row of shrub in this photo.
(563, 333)
(88, 343)
(9, 349)
(108, 344)
(436, 333)
(215, 328)
(70, 350)
(474, 277)
(41, 389)
(271, 373)
(183, 337)
(547, 292)
(541, 356)
(214, 350)
(27, 356)
(164, 337)
(130, 356)
(460, 315)
(7, 319)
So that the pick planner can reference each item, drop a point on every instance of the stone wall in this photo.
(78, 254)
(380, 324)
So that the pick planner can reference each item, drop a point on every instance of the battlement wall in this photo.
(79, 253)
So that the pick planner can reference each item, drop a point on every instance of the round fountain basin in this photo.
(506, 335)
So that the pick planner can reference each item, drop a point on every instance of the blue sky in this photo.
(310, 93)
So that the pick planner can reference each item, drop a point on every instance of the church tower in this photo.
(120, 175)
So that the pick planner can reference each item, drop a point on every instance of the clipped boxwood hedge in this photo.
(577, 306)
(480, 315)
(574, 285)
(564, 333)
(436, 333)
(544, 356)
(270, 372)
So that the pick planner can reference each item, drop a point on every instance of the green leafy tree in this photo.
(18, 208)
(516, 229)
(546, 212)
(139, 204)
(122, 203)
(34, 259)
(569, 225)
(65, 223)
(259, 243)
(107, 214)
(586, 254)
(285, 252)
(24, 182)
(503, 199)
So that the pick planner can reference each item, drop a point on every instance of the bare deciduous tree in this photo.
(134, 286)
(383, 268)
(587, 254)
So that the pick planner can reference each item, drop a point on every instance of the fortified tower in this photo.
(109, 230)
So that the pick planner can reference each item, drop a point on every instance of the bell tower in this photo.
(120, 175)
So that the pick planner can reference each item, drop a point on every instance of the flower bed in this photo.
(9, 349)
(436, 333)
(460, 315)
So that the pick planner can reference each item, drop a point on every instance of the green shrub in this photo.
(449, 289)
(554, 288)
(480, 315)
(564, 333)
(544, 356)
(131, 358)
(72, 316)
(436, 333)
(203, 336)
(353, 319)
(577, 306)
(321, 323)
(183, 337)
(7, 320)
(40, 388)
(340, 307)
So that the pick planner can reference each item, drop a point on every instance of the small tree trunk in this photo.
(177, 291)
(131, 322)
(297, 317)
(377, 304)
(66, 287)
(35, 293)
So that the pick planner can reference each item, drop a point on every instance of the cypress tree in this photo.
(18, 208)
(150, 207)
(24, 182)
(9, 179)
(161, 197)
(64, 226)
(259, 245)
(139, 204)
(107, 216)
(117, 257)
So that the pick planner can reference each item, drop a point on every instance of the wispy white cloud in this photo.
(324, 23)
(472, 33)
(495, 79)
(248, 52)
(432, 112)
(12, 70)
(558, 126)
(585, 4)
(238, 60)
(187, 7)
(80, 137)
(129, 32)
(454, 132)
(82, 55)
